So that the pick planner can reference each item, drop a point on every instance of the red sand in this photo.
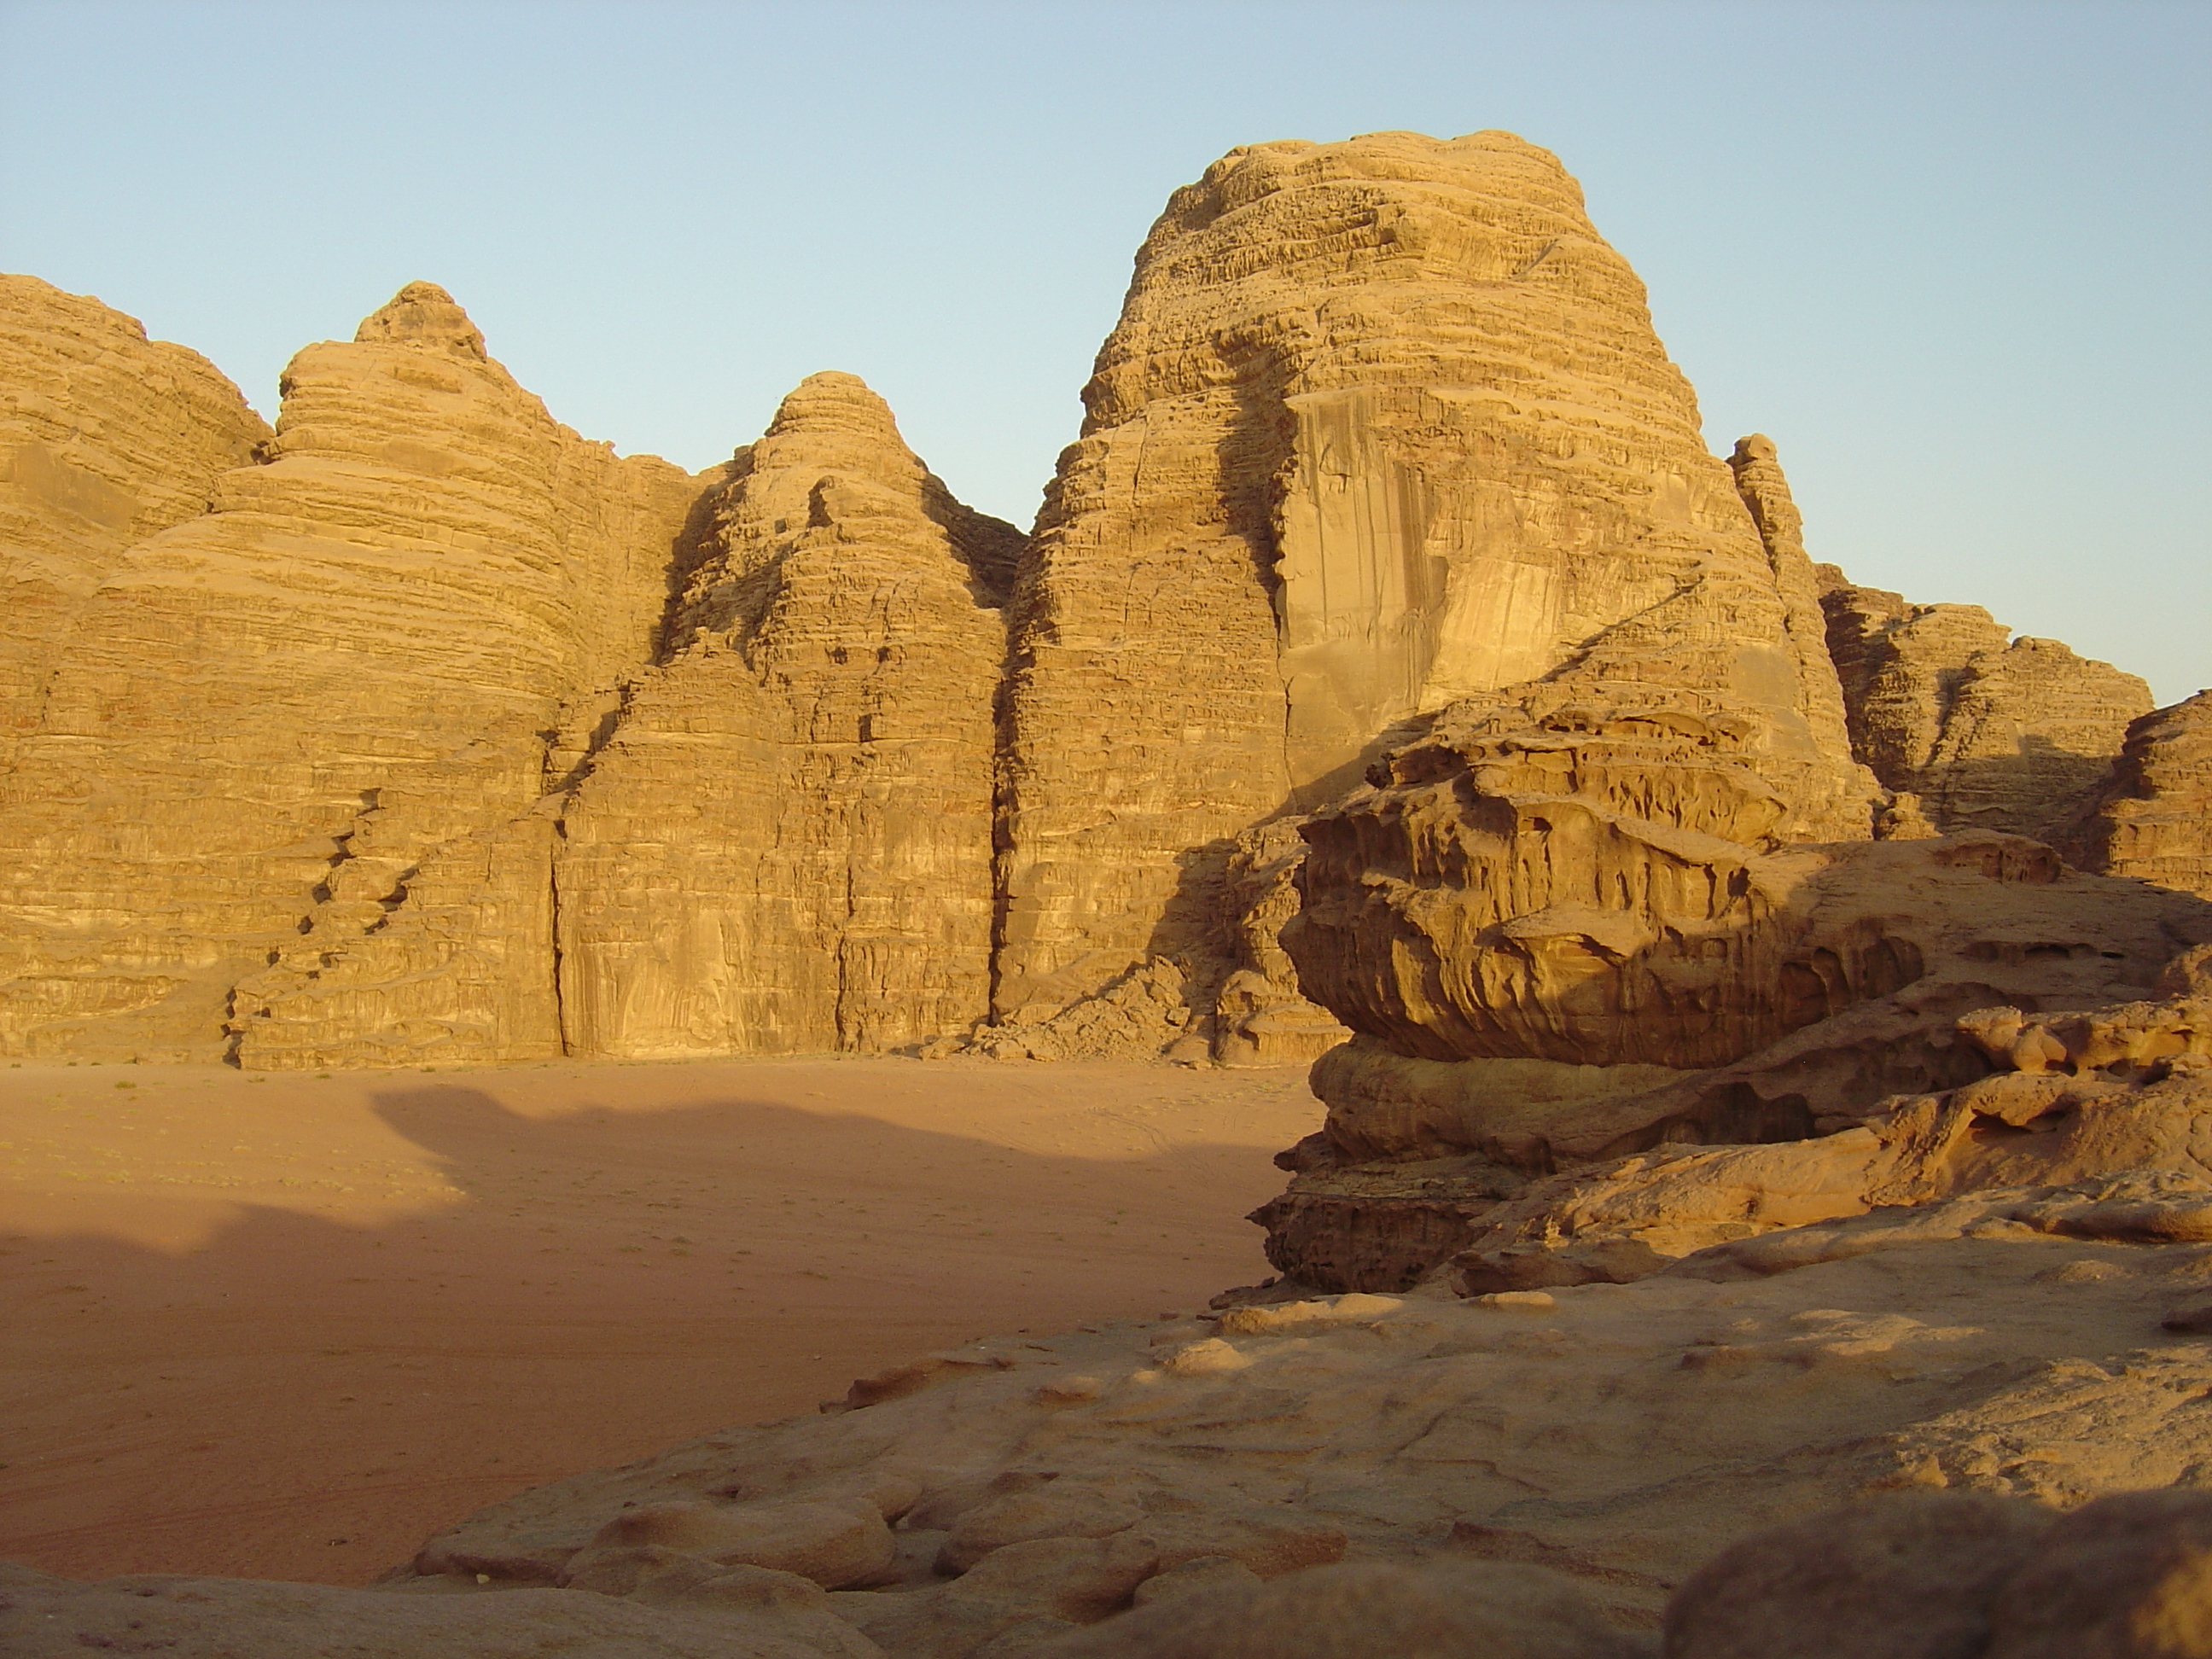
(285, 1326)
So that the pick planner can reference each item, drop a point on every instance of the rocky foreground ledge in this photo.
(1989, 1386)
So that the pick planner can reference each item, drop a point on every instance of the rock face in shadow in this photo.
(1568, 941)
(1383, 427)
(106, 438)
(1985, 734)
(2153, 820)
(785, 844)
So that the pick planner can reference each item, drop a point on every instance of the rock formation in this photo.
(1985, 734)
(1733, 1112)
(442, 732)
(2151, 819)
(272, 720)
(106, 438)
(1574, 923)
(786, 843)
(439, 733)
(1568, 944)
(1383, 426)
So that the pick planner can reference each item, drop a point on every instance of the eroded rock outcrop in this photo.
(1570, 940)
(1383, 426)
(106, 438)
(786, 843)
(1262, 1015)
(1576, 923)
(2153, 820)
(1985, 731)
(1501, 1162)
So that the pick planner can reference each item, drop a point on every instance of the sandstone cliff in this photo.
(2153, 819)
(105, 437)
(442, 733)
(277, 723)
(1985, 734)
(786, 843)
(1383, 427)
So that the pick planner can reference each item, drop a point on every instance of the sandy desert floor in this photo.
(286, 1325)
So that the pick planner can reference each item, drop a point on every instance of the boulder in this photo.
(1904, 1576)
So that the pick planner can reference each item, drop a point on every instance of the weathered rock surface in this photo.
(1615, 871)
(1905, 1574)
(1984, 733)
(1383, 426)
(2153, 820)
(785, 844)
(1953, 1574)
(1608, 888)
(1441, 1610)
(106, 438)
(1908, 1577)
(1539, 1172)
(717, 1616)
(271, 718)
(304, 788)
(1650, 1422)
(1262, 1015)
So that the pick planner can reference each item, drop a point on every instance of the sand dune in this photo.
(285, 1326)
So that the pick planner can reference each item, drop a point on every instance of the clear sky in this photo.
(1954, 258)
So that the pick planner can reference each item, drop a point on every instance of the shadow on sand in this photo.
(308, 1396)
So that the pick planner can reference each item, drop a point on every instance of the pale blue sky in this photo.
(1954, 258)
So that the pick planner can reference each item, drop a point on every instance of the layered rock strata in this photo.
(2153, 820)
(106, 438)
(2068, 1097)
(785, 844)
(446, 732)
(1985, 731)
(1383, 426)
(269, 719)
(443, 733)
(306, 777)
(1570, 940)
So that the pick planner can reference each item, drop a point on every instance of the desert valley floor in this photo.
(286, 1325)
